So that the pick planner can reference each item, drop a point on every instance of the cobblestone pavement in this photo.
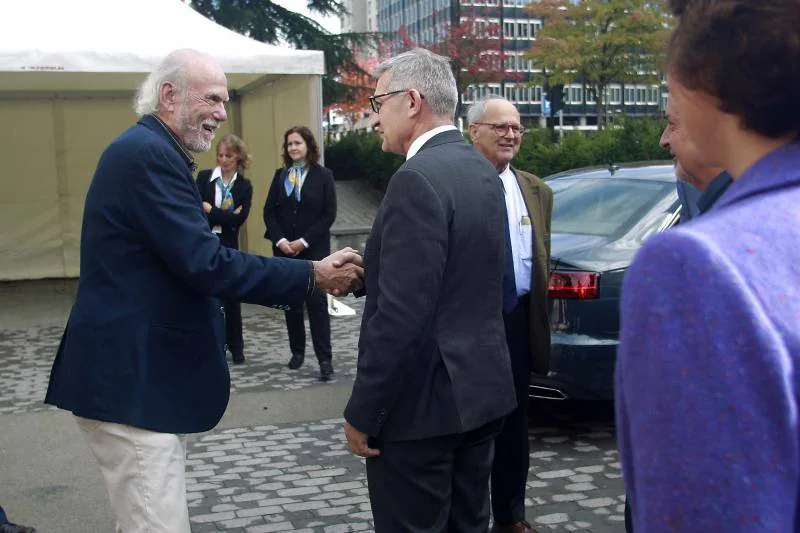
(299, 476)
(26, 356)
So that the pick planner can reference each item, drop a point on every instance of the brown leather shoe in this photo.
(520, 527)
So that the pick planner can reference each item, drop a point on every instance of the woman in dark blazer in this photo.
(299, 212)
(227, 196)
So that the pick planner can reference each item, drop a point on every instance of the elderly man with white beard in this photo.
(142, 360)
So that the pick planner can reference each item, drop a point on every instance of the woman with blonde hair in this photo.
(227, 196)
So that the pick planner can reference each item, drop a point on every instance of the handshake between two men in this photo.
(340, 273)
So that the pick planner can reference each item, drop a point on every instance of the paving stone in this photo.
(597, 502)
(555, 474)
(298, 491)
(259, 511)
(556, 518)
(271, 528)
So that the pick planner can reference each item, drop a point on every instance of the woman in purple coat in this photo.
(707, 386)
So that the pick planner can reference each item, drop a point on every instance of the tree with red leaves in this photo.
(473, 49)
(360, 84)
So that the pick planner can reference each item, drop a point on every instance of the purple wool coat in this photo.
(707, 390)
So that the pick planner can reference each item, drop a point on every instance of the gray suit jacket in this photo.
(432, 357)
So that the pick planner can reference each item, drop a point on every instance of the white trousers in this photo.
(145, 476)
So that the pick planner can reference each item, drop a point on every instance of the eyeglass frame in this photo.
(501, 133)
(376, 106)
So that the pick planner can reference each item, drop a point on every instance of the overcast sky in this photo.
(329, 23)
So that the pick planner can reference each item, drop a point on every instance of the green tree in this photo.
(599, 42)
(266, 21)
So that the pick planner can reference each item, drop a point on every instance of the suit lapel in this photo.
(533, 202)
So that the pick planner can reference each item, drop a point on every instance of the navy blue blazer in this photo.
(144, 344)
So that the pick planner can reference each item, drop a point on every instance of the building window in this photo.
(630, 96)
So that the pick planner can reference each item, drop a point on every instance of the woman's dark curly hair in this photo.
(745, 53)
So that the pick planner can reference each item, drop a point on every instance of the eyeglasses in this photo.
(501, 129)
(376, 106)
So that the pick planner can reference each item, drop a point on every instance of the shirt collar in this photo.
(217, 173)
(713, 191)
(425, 137)
(176, 142)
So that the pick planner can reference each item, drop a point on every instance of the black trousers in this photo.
(233, 326)
(433, 485)
(512, 449)
(628, 517)
(320, 321)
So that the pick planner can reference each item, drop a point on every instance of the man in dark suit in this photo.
(496, 131)
(434, 378)
(142, 358)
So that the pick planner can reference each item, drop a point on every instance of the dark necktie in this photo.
(509, 281)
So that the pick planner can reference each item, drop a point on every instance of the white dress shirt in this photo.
(217, 174)
(422, 139)
(521, 231)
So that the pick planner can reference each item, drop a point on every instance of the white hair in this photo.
(426, 72)
(173, 69)
(478, 109)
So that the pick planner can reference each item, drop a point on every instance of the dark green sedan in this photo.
(601, 216)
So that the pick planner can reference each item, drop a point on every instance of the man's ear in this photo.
(473, 130)
(414, 103)
(166, 95)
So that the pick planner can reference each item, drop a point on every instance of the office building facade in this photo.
(425, 22)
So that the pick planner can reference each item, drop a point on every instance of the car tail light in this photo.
(573, 285)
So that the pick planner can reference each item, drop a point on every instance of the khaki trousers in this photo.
(144, 473)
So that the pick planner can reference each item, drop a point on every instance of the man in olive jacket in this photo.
(496, 132)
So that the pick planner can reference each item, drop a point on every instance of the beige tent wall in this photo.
(51, 147)
(50, 154)
(30, 242)
(267, 111)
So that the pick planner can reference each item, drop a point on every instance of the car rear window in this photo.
(603, 206)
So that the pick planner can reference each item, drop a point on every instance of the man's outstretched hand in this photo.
(340, 273)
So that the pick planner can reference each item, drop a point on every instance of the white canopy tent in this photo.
(68, 73)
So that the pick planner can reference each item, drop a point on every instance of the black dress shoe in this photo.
(325, 370)
(296, 361)
(8, 527)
